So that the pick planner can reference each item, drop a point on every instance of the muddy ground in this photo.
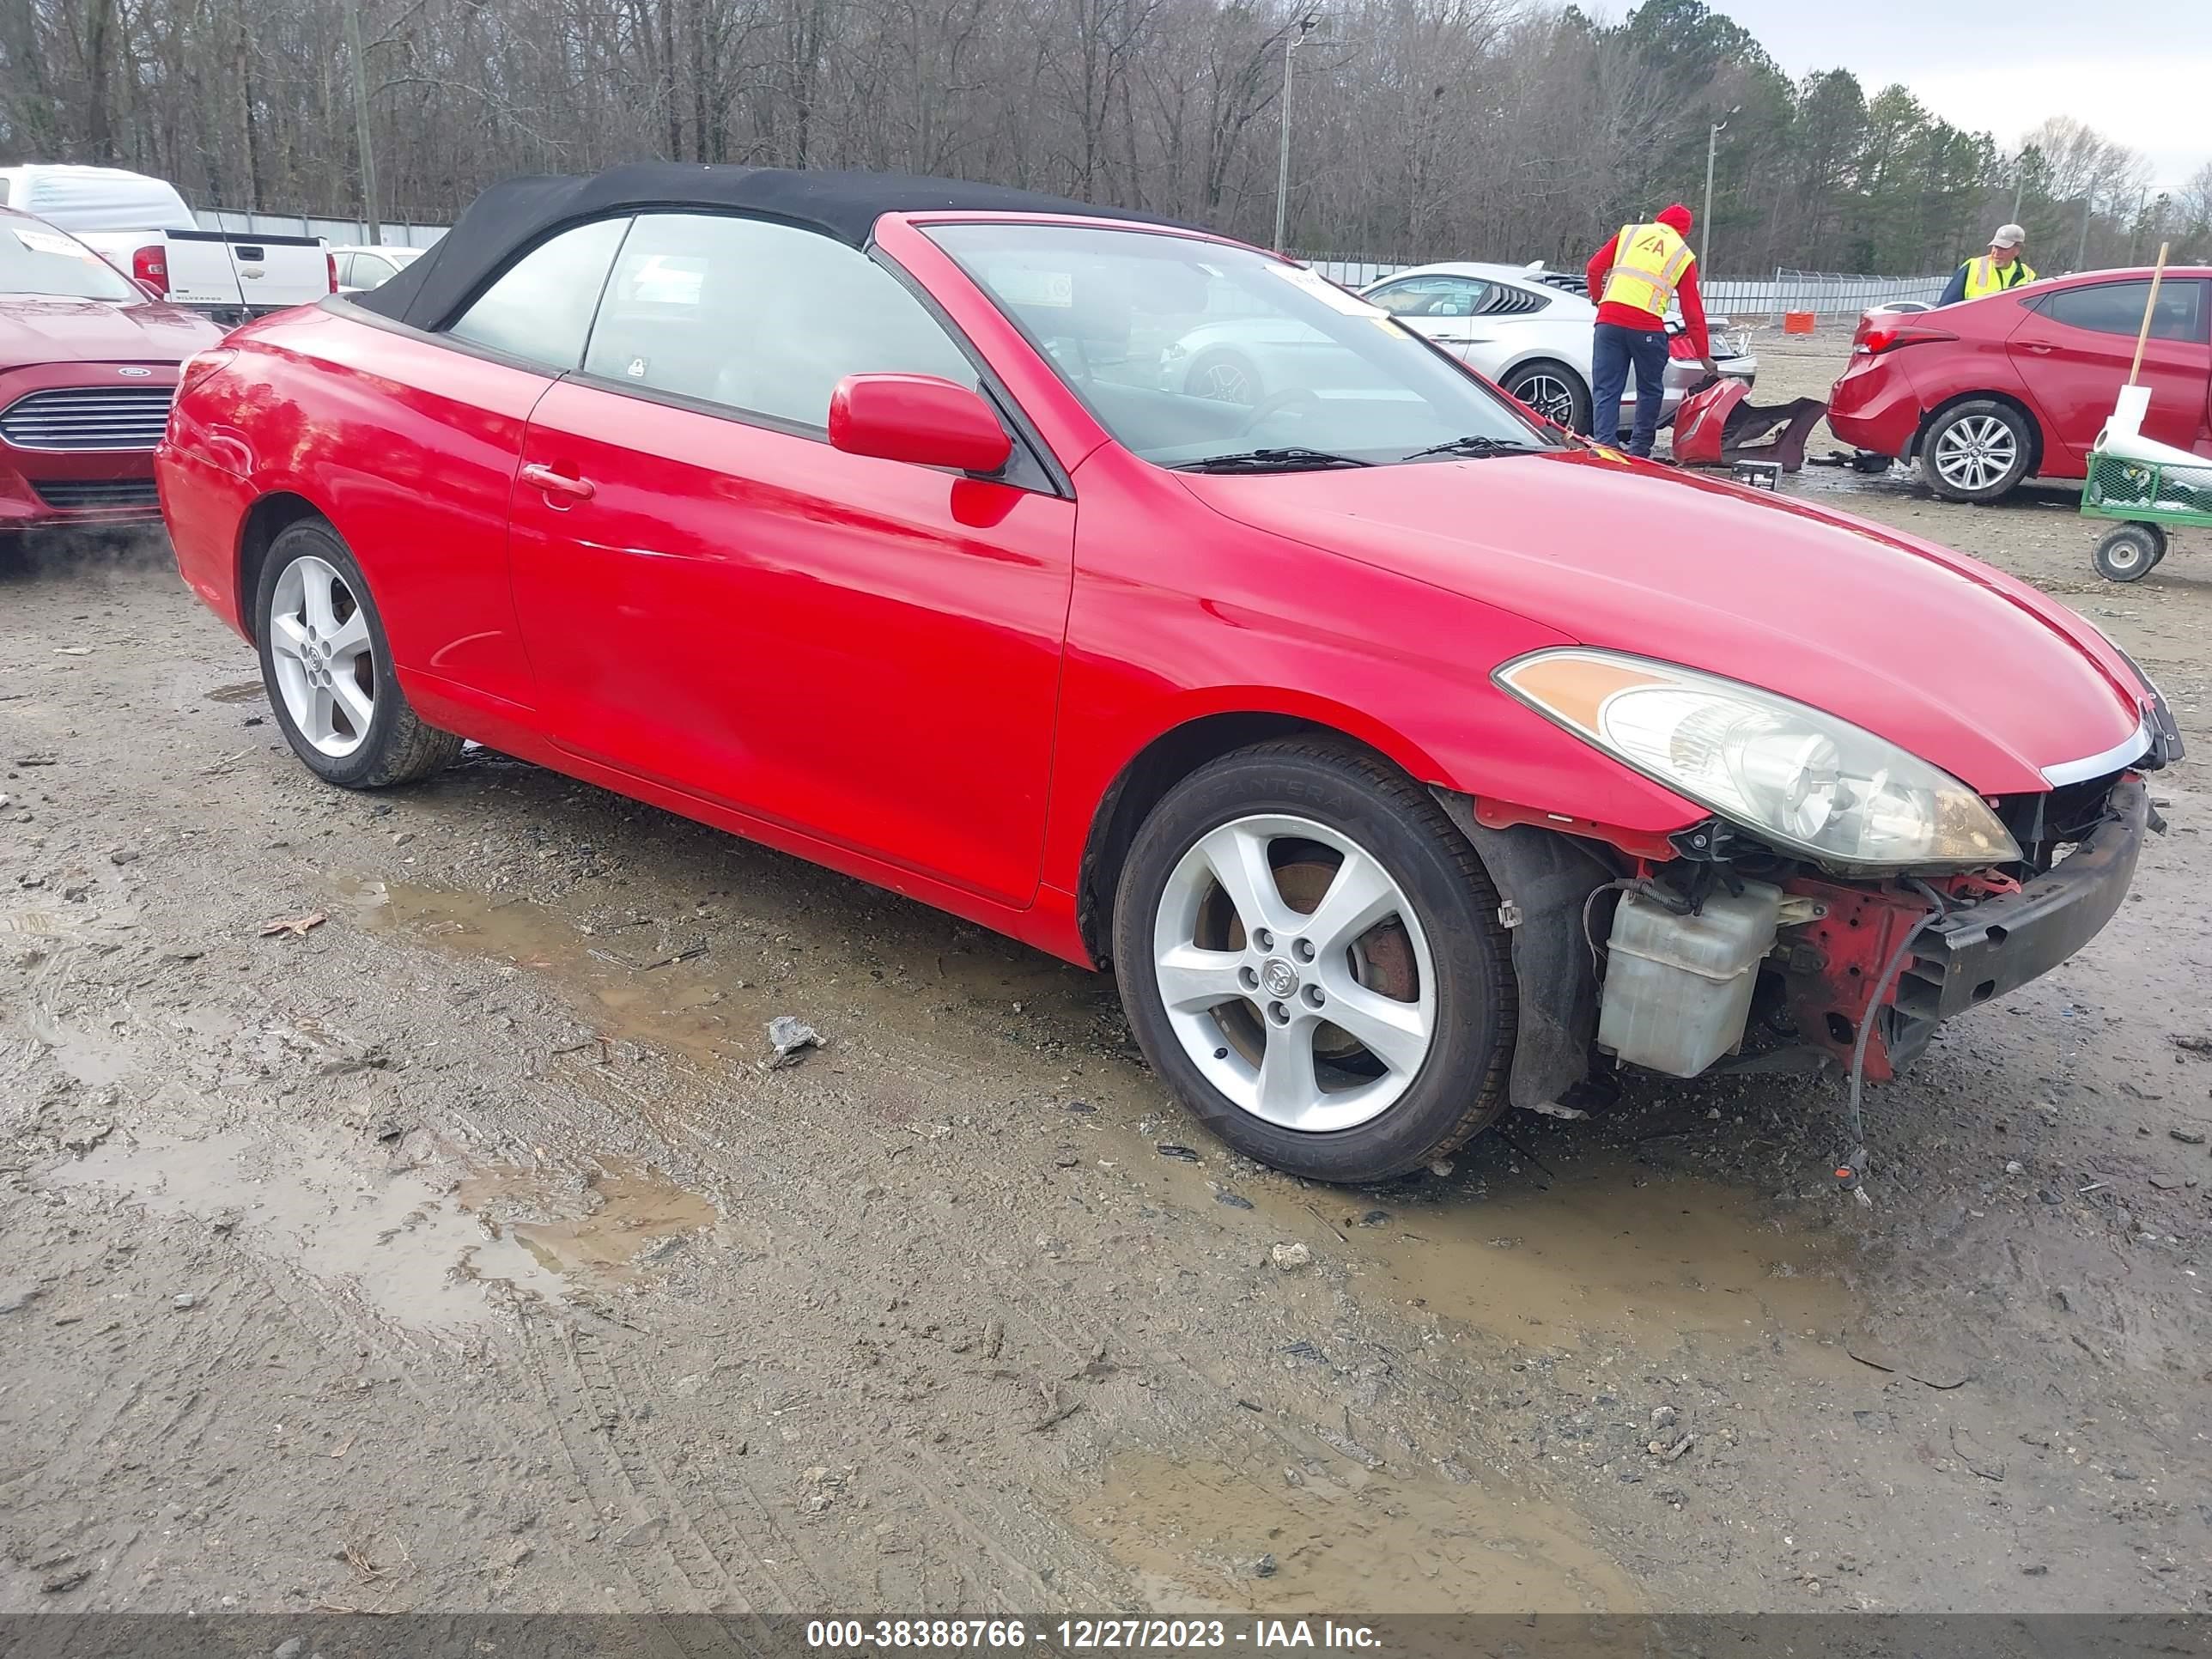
(459, 1252)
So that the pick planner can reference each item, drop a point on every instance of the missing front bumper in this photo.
(1986, 949)
(1977, 952)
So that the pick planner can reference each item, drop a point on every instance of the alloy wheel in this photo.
(1977, 452)
(1295, 973)
(1550, 397)
(324, 663)
(1223, 380)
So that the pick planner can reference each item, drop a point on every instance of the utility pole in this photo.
(2019, 183)
(2088, 201)
(360, 122)
(1705, 224)
(1292, 42)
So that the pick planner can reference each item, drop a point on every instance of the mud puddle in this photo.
(1638, 1254)
(679, 999)
(421, 1256)
(1615, 1247)
(663, 1001)
(394, 1242)
(605, 1227)
(1202, 1538)
(91, 1060)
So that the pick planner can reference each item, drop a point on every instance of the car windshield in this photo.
(36, 258)
(1203, 357)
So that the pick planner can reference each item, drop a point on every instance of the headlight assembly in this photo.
(1802, 781)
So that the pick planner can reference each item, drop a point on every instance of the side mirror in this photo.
(919, 419)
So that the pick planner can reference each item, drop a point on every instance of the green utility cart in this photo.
(2147, 497)
(2147, 485)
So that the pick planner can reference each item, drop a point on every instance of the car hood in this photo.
(37, 329)
(1957, 662)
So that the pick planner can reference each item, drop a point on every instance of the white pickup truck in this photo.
(141, 227)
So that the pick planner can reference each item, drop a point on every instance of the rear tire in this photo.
(1554, 391)
(2129, 552)
(1977, 451)
(327, 668)
(1381, 916)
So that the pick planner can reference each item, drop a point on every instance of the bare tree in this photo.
(1422, 128)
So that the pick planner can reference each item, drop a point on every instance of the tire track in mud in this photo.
(718, 1580)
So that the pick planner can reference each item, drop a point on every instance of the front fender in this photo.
(1544, 881)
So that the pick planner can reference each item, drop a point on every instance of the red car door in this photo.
(860, 650)
(2074, 349)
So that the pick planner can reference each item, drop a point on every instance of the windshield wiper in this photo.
(1290, 458)
(1473, 444)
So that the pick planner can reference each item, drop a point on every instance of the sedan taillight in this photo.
(150, 265)
(1875, 338)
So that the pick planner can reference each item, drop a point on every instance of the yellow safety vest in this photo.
(1985, 278)
(1648, 261)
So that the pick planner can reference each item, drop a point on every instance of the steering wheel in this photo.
(1274, 405)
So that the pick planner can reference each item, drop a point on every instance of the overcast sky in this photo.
(2140, 73)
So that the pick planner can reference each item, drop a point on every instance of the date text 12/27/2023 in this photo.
(1084, 1635)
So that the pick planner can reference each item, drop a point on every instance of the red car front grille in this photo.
(88, 417)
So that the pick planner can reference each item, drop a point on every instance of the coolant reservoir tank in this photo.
(1678, 989)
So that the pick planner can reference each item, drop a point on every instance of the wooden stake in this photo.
(2150, 308)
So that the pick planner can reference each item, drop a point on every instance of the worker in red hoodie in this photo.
(1634, 279)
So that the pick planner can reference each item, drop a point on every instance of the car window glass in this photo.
(541, 309)
(1432, 296)
(1188, 351)
(2117, 308)
(760, 318)
(368, 270)
(36, 258)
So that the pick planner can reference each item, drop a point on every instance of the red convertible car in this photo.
(87, 366)
(2016, 385)
(1403, 755)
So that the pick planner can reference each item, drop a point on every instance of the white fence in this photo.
(339, 233)
(1828, 295)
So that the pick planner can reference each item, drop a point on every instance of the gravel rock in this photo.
(1290, 1257)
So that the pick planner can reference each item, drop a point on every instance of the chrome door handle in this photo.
(559, 484)
(2039, 350)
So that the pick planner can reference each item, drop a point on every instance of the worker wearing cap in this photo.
(1994, 272)
(1635, 278)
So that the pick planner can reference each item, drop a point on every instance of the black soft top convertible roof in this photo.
(510, 218)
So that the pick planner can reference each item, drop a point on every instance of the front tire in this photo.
(327, 668)
(1310, 957)
(1554, 391)
(1977, 451)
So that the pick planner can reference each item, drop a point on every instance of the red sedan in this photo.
(2018, 385)
(862, 517)
(87, 366)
